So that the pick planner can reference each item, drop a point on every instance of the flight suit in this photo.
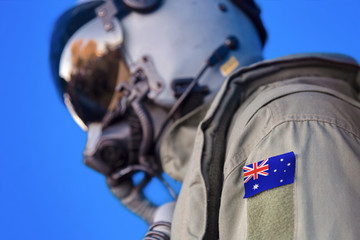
(305, 104)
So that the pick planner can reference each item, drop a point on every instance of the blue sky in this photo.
(45, 190)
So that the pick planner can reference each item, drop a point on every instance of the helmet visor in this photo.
(91, 66)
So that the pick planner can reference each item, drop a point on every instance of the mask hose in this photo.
(133, 198)
(147, 131)
(129, 195)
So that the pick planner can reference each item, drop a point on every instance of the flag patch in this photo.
(269, 173)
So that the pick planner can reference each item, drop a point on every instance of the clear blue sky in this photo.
(45, 190)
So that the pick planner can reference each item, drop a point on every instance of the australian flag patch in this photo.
(270, 173)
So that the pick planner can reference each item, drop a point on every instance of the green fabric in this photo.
(271, 214)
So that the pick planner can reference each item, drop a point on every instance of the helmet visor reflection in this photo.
(91, 66)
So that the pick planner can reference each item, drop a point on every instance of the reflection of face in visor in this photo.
(93, 80)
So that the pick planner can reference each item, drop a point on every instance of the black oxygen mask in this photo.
(123, 148)
(106, 150)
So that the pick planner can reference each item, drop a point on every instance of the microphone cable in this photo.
(231, 43)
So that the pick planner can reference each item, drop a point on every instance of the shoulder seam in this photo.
(356, 137)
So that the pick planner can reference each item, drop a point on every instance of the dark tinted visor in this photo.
(91, 66)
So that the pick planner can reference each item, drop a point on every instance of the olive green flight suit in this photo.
(308, 104)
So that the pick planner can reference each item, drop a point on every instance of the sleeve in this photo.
(322, 203)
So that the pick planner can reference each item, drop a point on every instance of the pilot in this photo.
(264, 149)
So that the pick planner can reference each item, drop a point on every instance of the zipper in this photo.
(213, 154)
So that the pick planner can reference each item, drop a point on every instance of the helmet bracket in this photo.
(106, 12)
(148, 69)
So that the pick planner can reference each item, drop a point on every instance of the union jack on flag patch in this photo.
(269, 173)
(255, 170)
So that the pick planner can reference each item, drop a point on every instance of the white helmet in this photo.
(175, 38)
(124, 67)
